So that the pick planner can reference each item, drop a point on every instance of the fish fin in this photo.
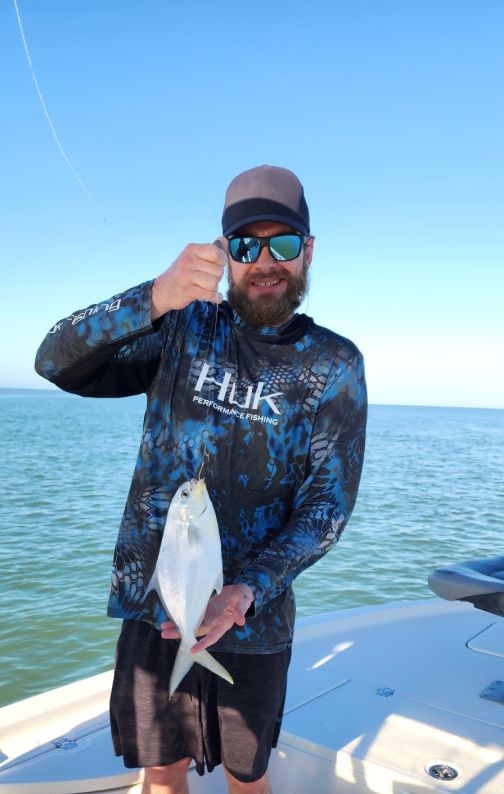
(219, 582)
(206, 660)
(153, 585)
(184, 660)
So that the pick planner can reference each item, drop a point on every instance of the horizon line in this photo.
(52, 389)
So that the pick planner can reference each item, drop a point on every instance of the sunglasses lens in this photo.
(285, 246)
(244, 249)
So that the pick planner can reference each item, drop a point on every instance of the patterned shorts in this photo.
(206, 719)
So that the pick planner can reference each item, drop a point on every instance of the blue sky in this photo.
(390, 112)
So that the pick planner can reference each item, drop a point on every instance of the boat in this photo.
(400, 698)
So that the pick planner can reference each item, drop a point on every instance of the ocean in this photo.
(431, 493)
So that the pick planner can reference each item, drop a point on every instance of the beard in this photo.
(268, 309)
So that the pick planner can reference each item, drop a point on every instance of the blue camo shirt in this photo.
(281, 413)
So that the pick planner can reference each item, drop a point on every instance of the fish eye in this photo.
(185, 494)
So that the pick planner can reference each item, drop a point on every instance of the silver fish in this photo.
(188, 570)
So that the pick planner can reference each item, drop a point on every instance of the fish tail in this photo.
(206, 660)
(184, 660)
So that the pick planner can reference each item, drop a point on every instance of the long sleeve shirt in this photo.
(273, 418)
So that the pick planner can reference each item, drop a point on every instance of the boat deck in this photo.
(400, 688)
(377, 696)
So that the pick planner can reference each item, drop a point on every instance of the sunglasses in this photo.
(282, 247)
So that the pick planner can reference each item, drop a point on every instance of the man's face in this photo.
(268, 292)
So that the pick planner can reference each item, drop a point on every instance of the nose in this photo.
(265, 259)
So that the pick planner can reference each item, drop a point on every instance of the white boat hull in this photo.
(377, 696)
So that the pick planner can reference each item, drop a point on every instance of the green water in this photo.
(432, 492)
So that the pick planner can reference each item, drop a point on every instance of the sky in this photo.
(389, 111)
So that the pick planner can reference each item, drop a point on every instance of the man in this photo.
(268, 407)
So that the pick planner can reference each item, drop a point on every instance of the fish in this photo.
(188, 570)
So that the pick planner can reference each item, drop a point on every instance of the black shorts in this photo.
(206, 719)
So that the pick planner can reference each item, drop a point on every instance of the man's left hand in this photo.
(224, 610)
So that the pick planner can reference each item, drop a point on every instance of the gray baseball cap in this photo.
(265, 193)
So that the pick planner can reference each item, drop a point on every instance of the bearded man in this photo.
(272, 409)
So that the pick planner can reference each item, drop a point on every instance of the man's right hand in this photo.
(194, 275)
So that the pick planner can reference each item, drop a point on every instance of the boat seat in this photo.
(479, 581)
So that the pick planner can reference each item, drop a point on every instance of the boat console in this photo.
(479, 581)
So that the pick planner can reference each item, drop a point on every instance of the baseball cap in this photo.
(265, 193)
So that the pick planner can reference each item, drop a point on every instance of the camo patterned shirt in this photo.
(281, 414)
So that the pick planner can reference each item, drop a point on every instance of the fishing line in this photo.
(206, 454)
(41, 98)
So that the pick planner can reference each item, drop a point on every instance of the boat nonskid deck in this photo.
(379, 699)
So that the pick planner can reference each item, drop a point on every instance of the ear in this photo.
(309, 250)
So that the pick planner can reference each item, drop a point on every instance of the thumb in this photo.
(222, 243)
(239, 612)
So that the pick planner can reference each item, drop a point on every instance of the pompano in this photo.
(188, 570)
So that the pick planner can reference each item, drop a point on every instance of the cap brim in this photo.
(289, 221)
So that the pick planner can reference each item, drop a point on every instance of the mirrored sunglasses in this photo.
(282, 247)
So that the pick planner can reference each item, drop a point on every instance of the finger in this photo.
(209, 283)
(209, 639)
(170, 634)
(207, 276)
(214, 633)
(195, 267)
(239, 617)
(205, 280)
(222, 243)
(203, 630)
(211, 252)
(197, 294)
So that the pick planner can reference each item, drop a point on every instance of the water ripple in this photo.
(431, 493)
